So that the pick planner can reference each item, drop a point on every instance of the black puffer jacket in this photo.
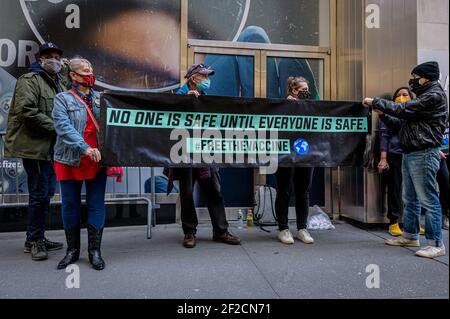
(421, 121)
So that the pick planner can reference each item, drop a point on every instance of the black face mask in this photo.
(414, 85)
(304, 95)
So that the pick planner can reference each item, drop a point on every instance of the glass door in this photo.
(237, 73)
(262, 70)
(276, 67)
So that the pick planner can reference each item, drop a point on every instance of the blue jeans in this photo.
(41, 182)
(420, 190)
(95, 201)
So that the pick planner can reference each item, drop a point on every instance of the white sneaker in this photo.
(403, 242)
(305, 237)
(431, 252)
(286, 237)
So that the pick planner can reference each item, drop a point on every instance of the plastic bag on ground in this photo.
(319, 220)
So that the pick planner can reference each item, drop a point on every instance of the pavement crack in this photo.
(261, 272)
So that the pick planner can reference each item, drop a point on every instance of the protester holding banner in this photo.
(30, 135)
(443, 181)
(390, 166)
(76, 114)
(197, 84)
(297, 88)
(422, 122)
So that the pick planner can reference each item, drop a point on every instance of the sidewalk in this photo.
(334, 267)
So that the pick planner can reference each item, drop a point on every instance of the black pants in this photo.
(41, 182)
(442, 179)
(391, 183)
(210, 188)
(302, 180)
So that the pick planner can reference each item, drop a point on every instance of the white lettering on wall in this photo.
(25, 52)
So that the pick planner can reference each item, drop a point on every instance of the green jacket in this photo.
(30, 132)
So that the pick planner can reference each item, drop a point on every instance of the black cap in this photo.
(428, 70)
(49, 46)
(198, 69)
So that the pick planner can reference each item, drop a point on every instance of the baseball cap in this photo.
(198, 69)
(49, 46)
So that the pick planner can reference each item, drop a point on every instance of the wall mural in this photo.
(134, 44)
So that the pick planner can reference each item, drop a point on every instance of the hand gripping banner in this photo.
(168, 130)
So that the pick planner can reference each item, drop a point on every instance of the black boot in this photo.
(73, 247)
(94, 243)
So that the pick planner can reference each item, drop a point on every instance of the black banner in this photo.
(156, 130)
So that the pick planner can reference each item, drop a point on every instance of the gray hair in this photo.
(78, 63)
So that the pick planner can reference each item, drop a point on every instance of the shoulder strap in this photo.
(88, 109)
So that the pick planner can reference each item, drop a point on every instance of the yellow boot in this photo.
(395, 230)
(422, 230)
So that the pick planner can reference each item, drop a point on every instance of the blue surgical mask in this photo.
(204, 85)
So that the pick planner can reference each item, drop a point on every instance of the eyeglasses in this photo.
(192, 72)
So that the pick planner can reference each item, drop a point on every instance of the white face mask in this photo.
(52, 66)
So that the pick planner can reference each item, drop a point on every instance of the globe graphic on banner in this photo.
(301, 147)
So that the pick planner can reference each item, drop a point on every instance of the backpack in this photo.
(264, 206)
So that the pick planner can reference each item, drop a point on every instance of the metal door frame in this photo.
(212, 47)
(261, 52)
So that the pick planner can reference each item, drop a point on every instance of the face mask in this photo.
(414, 85)
(402, 99)
(52, 66)
(304, 95)
(88, 80)
(204, 85)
